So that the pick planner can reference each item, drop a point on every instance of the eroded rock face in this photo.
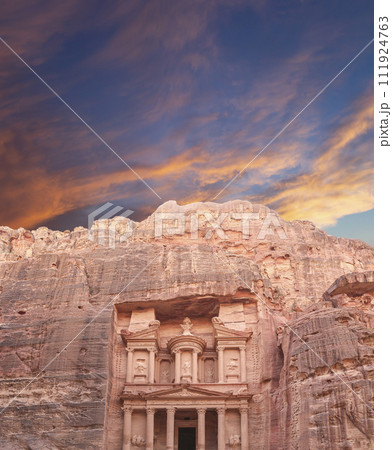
(57, 292)
(327, 380)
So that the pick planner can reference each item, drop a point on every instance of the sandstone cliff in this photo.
(57, 292)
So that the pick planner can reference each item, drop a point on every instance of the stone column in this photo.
(243, 363)
(150, 429)
(177, 366)
(151, 366)
(129, 377)
(201, 428)
(221, 428)
(127, 428)
(221, 369)
(194, 367)
(244, 428)
(170, 413)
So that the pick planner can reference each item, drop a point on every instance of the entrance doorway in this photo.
(186, 438)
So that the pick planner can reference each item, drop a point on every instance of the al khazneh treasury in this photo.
(187, 383)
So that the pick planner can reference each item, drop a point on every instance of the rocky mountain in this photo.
(314, 295)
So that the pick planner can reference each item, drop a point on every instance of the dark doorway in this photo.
(187, 438)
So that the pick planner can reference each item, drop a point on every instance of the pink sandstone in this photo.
(308, 300)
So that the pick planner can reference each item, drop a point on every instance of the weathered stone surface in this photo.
(325, 394)
(53, 284)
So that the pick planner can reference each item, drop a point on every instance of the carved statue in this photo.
(138, 441)
(140, 366)
(232, 365)
(217, 321)
(210, 374)
(187, 326)
(165, 375)
(234, 440)
(186, 368)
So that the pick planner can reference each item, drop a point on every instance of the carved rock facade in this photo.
(172, 396)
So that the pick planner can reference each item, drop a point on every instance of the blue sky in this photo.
(187, 92)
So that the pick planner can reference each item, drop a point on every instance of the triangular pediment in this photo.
(186, 391)
(221, 330)
(148, 333)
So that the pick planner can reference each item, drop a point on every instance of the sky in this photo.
(187, 93)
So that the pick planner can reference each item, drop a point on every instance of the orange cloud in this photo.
(35, 195)
(36, 190)
(340, 181)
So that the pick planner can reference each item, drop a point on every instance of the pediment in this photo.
(186, 391)
(222, 331)
(148, 333)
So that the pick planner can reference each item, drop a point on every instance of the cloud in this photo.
(35, 194)
(330, 189)
(37, 30)
(340, 181)
(155, 83)
(145, 28)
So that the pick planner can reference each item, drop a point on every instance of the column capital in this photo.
(221, 410)
(127, 408)
(171, 409)
(244, 409)
(131, 350)
(242, 347)
(219, 348)
(150, 411)
(201, 410)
